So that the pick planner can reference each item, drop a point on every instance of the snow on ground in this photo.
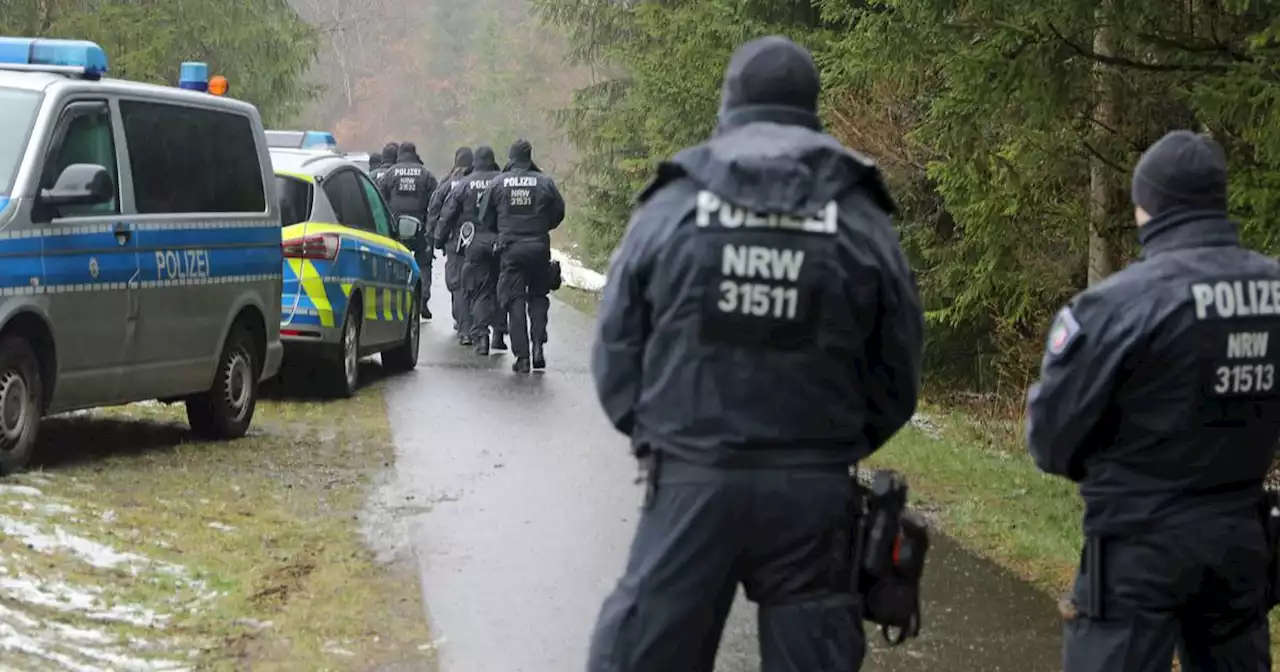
(576, 275)
(59, 609)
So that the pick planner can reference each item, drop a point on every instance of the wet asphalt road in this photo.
(516, 500)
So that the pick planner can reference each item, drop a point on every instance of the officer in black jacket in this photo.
(375, 162)
(1158, 395)
(479, 248)
(759, 333)
(523, 205)
(390, 153)
(408, 186)
(445, 239)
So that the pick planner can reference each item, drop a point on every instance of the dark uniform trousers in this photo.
(706, 530)
(523, 289)
(425, 256)
(480, 284)
(1198, 590)
(453, 281)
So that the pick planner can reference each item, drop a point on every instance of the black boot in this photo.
(539, 361)
(482, 345)
(521, 365)
(426, 312)
(465, 339)
(499, 343)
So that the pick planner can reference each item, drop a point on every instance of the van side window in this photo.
(192, 160)
(381, 220)
(87, 139)
(348, 203)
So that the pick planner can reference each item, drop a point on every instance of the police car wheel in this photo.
(20, 393)
(404, 357)
(347, 373)
(226, 410)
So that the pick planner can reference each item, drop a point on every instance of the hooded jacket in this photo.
(522, 204)
(463, 159)
(389, 154)
(463, 204)
(408, 186)
(760, 311)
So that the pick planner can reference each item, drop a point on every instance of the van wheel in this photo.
(404, 357)
(20, 393)
(226, 410)
(346, 371)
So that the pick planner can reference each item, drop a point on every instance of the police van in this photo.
(140, 231)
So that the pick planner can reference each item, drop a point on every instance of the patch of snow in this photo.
(223, 527)
(20, 490)
(576, 275)
(98, 555)
(927, 425)
(72, 648)
(82, 600)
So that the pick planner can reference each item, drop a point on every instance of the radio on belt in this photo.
(71, 57)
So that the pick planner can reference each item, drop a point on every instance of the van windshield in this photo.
(18, 108)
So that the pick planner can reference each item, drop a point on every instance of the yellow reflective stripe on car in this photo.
(310, 179)
(313, 228)
(313, 285)
(386, 305)
(371, 303)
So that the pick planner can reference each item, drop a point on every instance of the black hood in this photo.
(521, 157)
(463, 158)
(408, 156)
(486, 160)
(390, 152)
(767, 162)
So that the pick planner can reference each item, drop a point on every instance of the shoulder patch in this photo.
(667, 172)
(1063, 332)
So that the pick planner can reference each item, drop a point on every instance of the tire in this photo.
(21, 394)
(344, 373)
(404, 357)
(226, 410)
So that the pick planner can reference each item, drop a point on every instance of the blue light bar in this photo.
(323, 139)
(69, 56)
(194, 76)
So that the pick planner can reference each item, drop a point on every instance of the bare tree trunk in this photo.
(1101, 195)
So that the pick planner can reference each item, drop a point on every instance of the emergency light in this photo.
(194, 76)
(72, 57)
(323, 139)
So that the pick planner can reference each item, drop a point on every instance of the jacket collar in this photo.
(1186, 229)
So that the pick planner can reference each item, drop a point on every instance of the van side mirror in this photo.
(80, 184)
(408, 226)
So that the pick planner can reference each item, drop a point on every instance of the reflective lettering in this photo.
(1245, 379)
(758, 300)
(182, 264)
(731, 216)
(521, 197)
(1247, 345)
(766, 263)
(1227, 299)
(520, 181)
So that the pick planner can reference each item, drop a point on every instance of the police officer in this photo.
(408, 186)
(390, 153)
(1158, 395)
(375, 160)
(759, 333)
(445, 238)
(480, 265)
(523, 205)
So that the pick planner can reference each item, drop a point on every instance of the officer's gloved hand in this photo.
(438, 243)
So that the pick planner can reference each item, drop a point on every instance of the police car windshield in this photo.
(18, 108)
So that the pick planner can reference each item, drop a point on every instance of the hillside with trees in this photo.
(1008, 129)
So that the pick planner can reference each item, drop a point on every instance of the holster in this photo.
(1270, 510)
(889, 545)
(555, 278)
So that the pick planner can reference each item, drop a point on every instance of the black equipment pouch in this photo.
(1271, 524)
(554, 276)
(889, 548)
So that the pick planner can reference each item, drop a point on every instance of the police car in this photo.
(350, 288)
(301, 140)
(139, 229)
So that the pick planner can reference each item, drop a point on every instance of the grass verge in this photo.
(148, 544)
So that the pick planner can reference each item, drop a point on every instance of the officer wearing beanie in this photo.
(1158, 395)
(522, 205)
(760, 332)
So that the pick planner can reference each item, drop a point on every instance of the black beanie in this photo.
(1182, 170)
(408, 148)
(463, 158)
(521, 151)
(771, 71)
(485, 159)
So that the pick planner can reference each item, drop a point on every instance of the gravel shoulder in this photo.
(135, 546)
